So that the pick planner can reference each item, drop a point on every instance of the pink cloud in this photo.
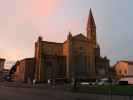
(31, 8)
(44, 7)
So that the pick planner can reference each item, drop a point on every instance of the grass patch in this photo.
(128, 89)
(115, 89)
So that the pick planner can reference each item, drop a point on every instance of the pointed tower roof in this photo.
(91, 21)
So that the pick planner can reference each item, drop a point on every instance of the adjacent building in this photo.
(124, 68)
(25, 70)
(2, 62)
(124, 71)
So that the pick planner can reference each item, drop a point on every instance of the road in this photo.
(18, 93)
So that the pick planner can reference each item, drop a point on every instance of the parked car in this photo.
(88, 83)
(126, 81)
(123, 82)
(7, 77)
(103, 81)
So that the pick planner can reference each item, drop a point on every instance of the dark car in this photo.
(7, 77)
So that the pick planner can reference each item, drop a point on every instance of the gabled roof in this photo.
(80, 37)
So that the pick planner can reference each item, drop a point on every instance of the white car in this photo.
(103, 82)
(88, 83)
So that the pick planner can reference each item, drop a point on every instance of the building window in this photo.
(81, 48)
(125, 71)
(120, 71)
(49, 63)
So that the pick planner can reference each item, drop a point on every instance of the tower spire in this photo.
(91, 21)
(91, 27)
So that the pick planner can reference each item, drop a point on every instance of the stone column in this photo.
(39, 61)
(69, 57)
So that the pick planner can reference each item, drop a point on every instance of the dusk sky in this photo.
(22, 21)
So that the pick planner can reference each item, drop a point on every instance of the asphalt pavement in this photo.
(20, 92)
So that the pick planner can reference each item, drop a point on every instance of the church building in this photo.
(77, 57)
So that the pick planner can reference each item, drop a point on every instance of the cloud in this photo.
(19, 21)
(33, 8)
(41, 7)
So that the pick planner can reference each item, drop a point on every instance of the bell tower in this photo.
(91, 28)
